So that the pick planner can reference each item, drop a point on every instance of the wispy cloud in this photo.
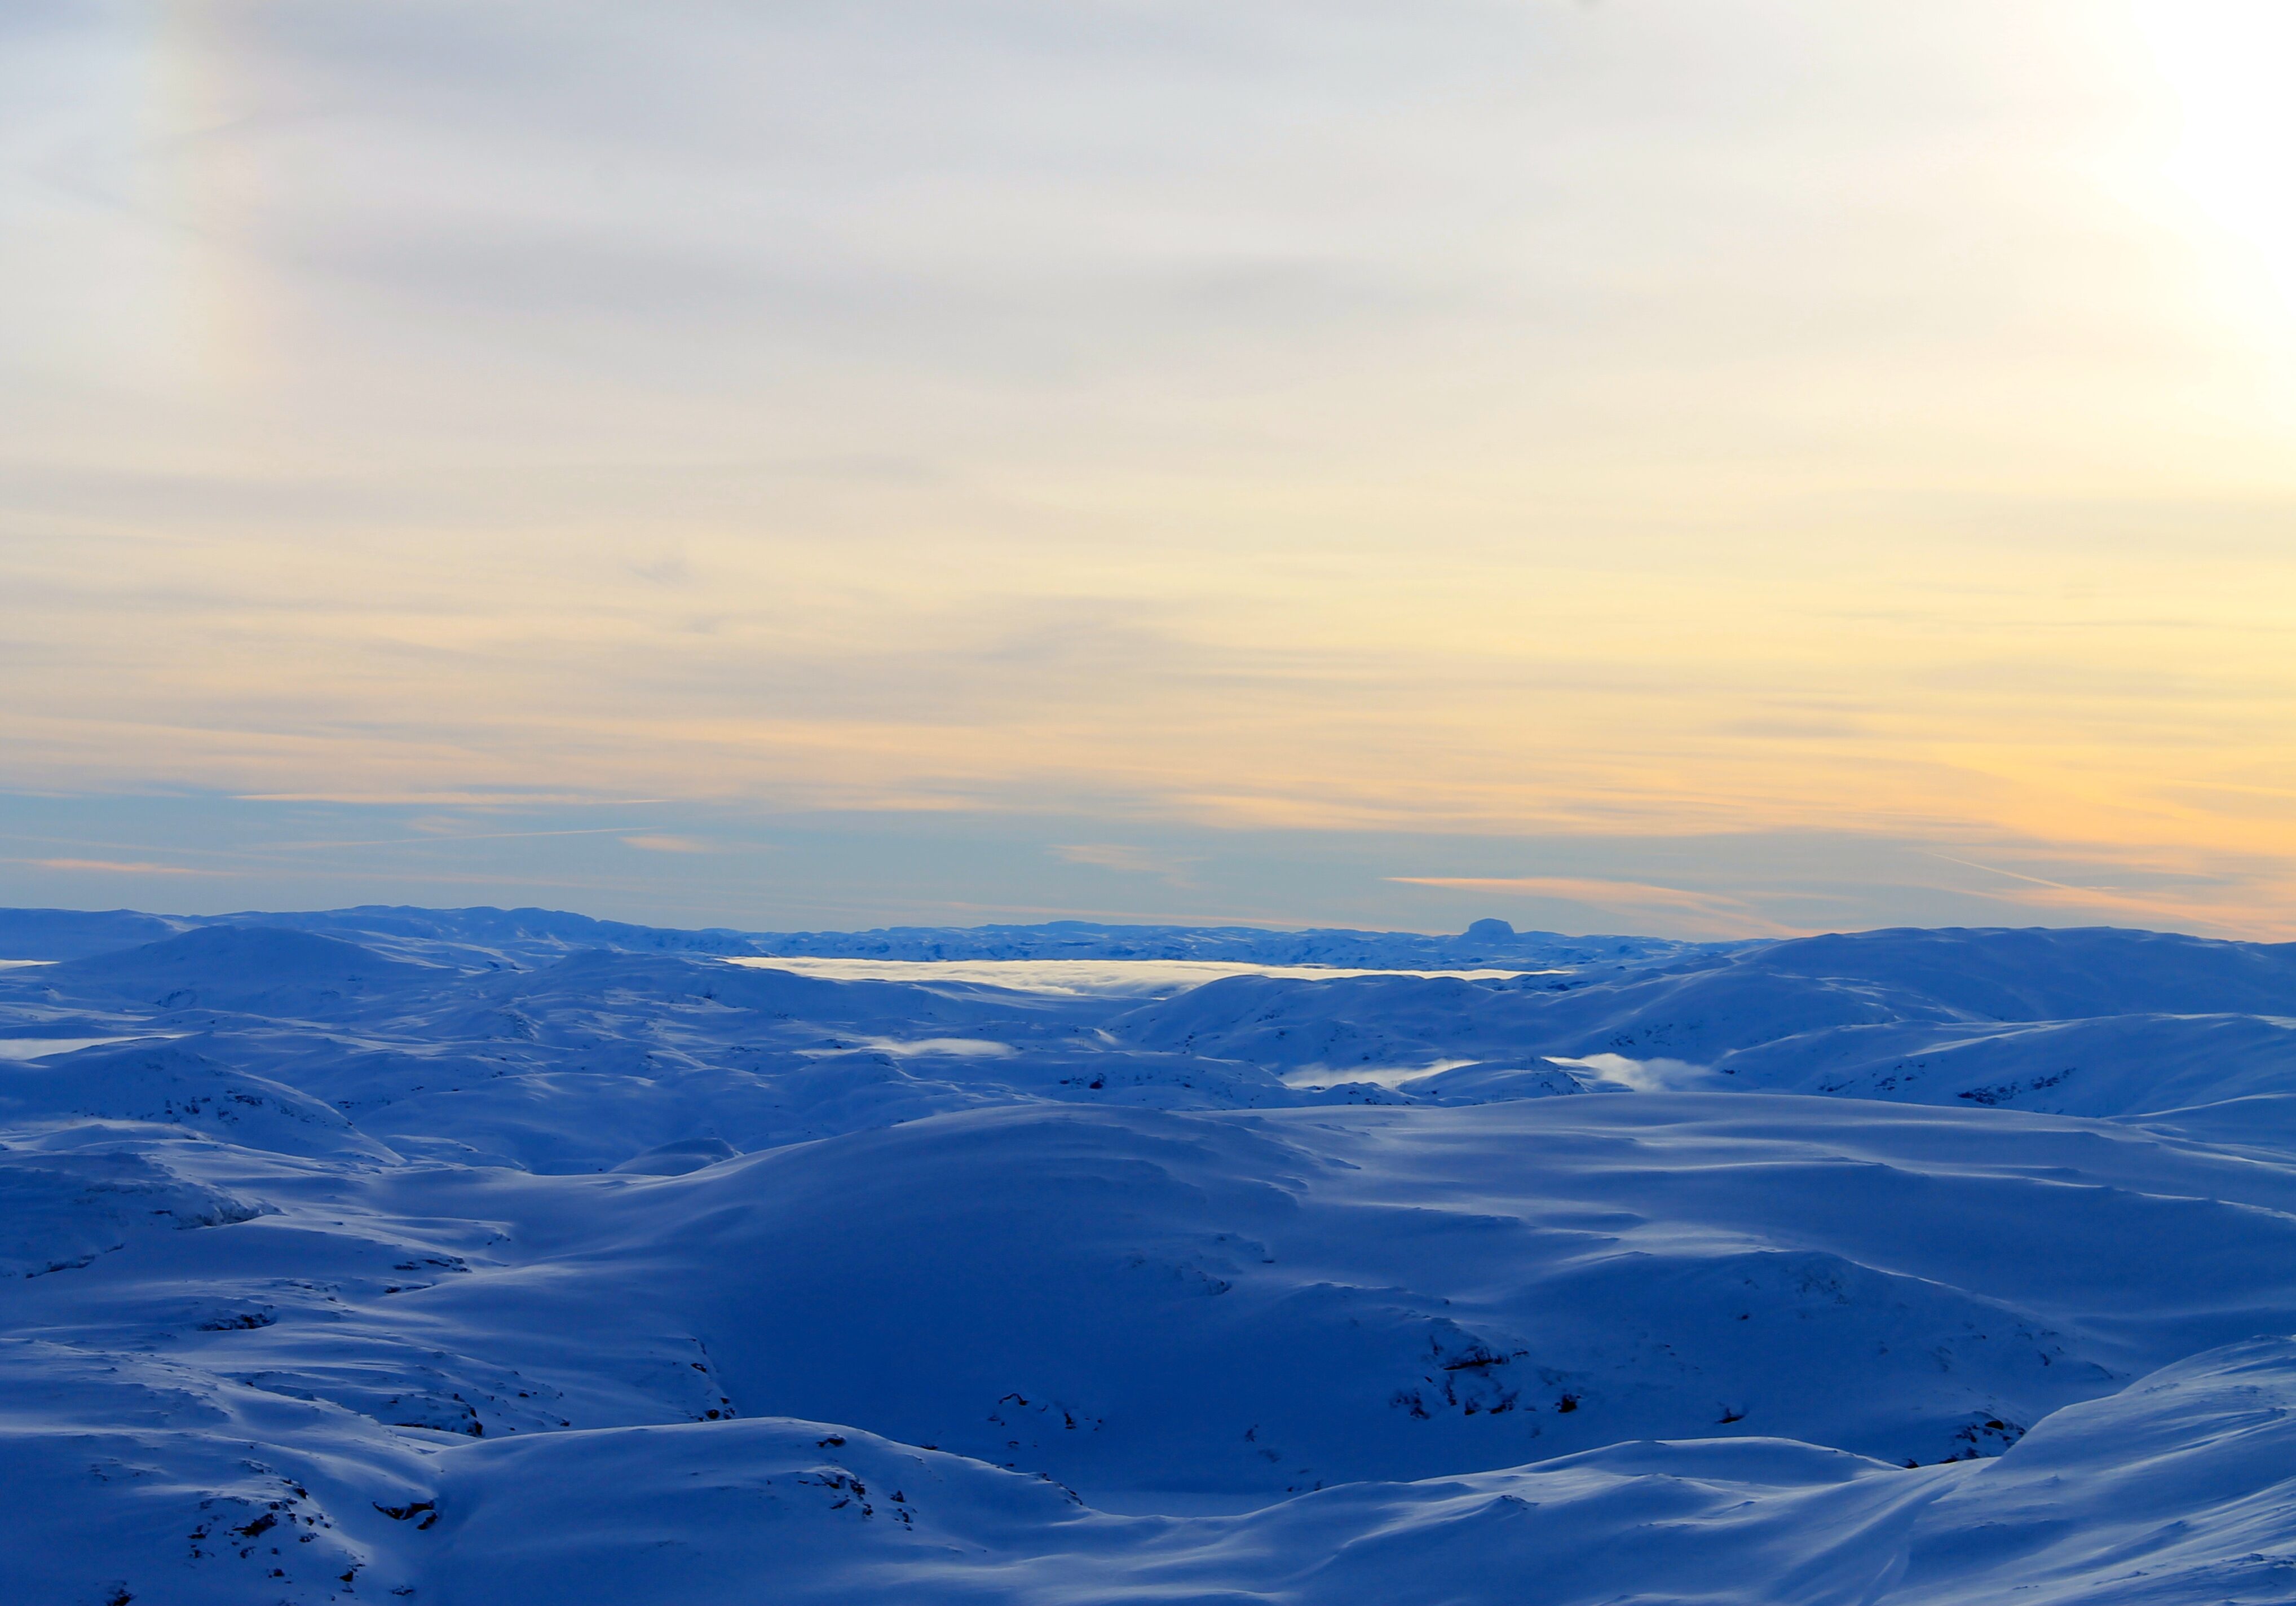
(482, 798)
(1164, 566)
(657, 842)
(1112, 856)
(117, 866)
(430, 837)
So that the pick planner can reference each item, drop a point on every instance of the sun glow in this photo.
(2226, 61)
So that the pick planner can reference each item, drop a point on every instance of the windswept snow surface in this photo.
(485, 1257)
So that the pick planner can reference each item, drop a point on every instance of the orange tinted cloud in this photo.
(1167, 487)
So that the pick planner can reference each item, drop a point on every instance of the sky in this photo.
(1686, 466)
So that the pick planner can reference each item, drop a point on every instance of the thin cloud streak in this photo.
(116, 867)
(429, 837)
(1719, 912)
(2263, 920)
(2018, 875)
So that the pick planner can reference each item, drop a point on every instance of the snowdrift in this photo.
(485, 1257)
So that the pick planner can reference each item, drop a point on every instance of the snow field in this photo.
(478, 1270)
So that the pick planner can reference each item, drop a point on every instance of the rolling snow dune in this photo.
(2090, 1022)
(2180, 1490)
(2176, 1489)
(436, 1256)
(175, 1087)
(1253, 1305)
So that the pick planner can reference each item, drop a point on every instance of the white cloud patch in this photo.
(1119, 856)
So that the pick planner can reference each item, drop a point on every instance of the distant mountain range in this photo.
(532, 936)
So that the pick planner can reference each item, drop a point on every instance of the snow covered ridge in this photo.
(453, 1260)
(526, 936)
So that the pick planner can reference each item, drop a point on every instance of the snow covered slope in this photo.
(471, 1263)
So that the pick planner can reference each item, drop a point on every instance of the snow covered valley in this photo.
(476, 1257)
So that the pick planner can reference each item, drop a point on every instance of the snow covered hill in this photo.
(2099, 1022)
(479, 1257)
